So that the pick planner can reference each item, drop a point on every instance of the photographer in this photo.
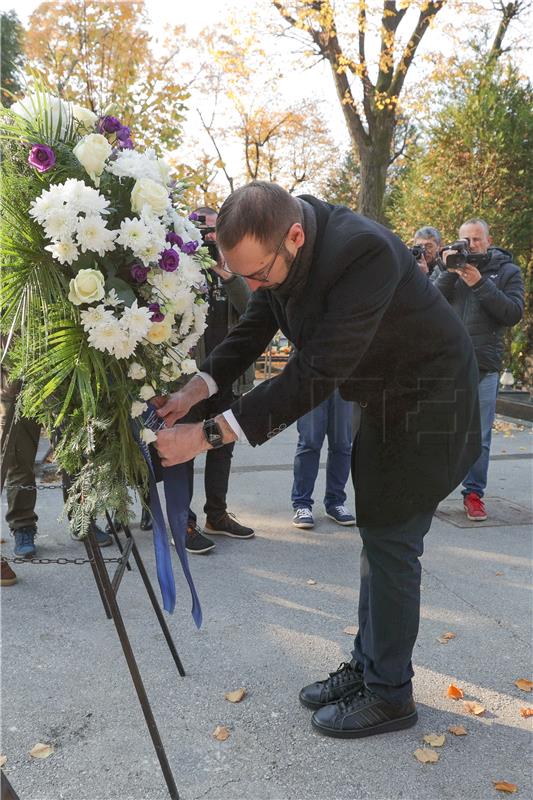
(427, 242)
(486, 290)
(227, 299)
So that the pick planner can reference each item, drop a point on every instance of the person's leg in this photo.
(390, 605)
(339, 432)
(311, 433)
(21, 503)
(476, 480)
(216, 481)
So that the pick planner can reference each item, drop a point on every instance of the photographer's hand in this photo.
(422, 263)
(469, 274)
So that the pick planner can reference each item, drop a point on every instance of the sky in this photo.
(316, 82)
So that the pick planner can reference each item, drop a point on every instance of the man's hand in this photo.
(225, 276)
(181, 443)
(174, 406)
(423, 264)
(469, 274)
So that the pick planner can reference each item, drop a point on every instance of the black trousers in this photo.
(389, 605)
(217, 462)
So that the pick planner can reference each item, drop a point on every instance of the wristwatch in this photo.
(213, 433)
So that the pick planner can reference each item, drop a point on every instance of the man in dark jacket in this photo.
(488, 300)
(363, 318)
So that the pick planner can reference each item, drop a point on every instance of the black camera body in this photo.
(204, 230)
(418, 250)
(460, 255)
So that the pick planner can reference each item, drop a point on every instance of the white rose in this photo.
(84, 116)
(159, 332)
(147, 192)
(137, 408)
(148, 436)
(86, 287)
(136, 371)
(147, 392)
(188, 366)
(46, 107)
(92, 152)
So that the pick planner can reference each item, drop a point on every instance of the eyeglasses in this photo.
(261, 275)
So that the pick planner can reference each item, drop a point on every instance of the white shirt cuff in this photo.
(212, 386)
(230, 418)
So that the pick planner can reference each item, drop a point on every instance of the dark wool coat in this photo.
(369, 321)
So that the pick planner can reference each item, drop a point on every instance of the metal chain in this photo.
(33, 488)
(61, 561)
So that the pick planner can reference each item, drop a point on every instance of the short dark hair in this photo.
(260, 209)
(205, 210)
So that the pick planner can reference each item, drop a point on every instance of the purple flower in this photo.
(157, 314)
(139, 272)
(123, 133)
(41, 157)
(169, 260)
(173, 238)
(189, 248)
(193, 216)
(125, 144)
(109, 125)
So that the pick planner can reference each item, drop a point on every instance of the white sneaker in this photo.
(303, 518)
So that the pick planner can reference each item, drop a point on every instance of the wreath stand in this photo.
(108, 588)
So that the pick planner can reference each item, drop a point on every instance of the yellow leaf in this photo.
(3, 760)
(505, 786)
(448, 635)
(473, 707)
(425, 755)
(435, 739)
(526, 712)
(524, 684)
(455, 692)
(41, 750)
(457, 730)
(221, 733)
(311, 582)
(498, 573)
(351, 630)
(236, 696)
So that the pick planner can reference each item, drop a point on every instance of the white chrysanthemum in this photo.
(136, 371)
(112, 299)
(84, 198)
(157, 228)
(184, 346)
(187, 320)
(106, 335)
(59, 223)
(168, 284)
(92, 234)
(135, 164)
(95, 316)
(137, 320)
(150, 254)
(126, 347)
(200, 317)
(65, 252)
(186, 229)
(137, 408)
(190, 270)
(146, 392)
(134, 234)
(42, 207)
(188, 366)
(148, 436)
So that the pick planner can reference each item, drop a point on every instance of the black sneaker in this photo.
(347, 679)
(363, 713)
(228, 526)
(196, 543)
(146, 520)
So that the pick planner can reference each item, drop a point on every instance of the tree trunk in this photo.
(375, 159)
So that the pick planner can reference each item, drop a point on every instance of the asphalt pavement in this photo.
(275, 611)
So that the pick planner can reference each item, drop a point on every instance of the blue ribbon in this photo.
(177, 497)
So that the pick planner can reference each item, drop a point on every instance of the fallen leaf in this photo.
(3, 541)
(425, 755)
(311, 582)
(444, 638)
(351, 630)
(221, 733)
(3, 760)
(458, 730)
(473, 707)
(41, 750)
(236, 696)
(505, 786)
(454, 692)
(526, 712)
(524, 684)
(435, 739)
(498, 573)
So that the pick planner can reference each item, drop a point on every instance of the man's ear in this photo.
(296, 235)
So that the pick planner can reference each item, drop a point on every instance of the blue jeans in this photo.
(476, 480)
(332, 418)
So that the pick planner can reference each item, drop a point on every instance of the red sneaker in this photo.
(474, 507)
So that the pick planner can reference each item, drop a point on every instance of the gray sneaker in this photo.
(303, 518)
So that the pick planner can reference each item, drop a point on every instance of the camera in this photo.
(418, 250)
(460, 255)
(204, 229)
